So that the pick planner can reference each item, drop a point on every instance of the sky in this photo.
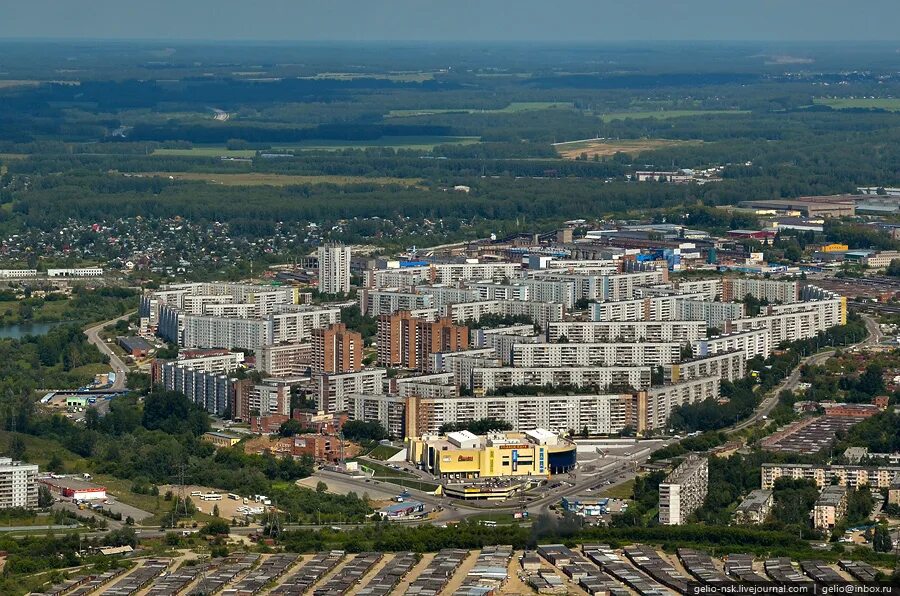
(453, 20)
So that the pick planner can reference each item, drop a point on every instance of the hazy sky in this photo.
(552, 20)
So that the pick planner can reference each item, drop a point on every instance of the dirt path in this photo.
(462, 572)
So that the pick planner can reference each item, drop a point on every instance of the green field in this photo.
(665, 114)
(513, 108)
(211, 151)
(383, 452)
(423, 142)
(264, 179)
(620, 491)
(873, 103)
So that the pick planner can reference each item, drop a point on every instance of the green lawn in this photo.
(883, 103)
(620, 491)
(428, 487)
(664, 114)
(383, 452)
(382, 471)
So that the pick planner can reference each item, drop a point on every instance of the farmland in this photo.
(608, 147)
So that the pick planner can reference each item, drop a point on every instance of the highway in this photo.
(119, 367)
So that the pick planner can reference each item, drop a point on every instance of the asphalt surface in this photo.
(119, 367)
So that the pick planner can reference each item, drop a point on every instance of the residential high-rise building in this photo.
(408, 342)
(683, 491)
(18, 486)
(335, 349)
(334, 269)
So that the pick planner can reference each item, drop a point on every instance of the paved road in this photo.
(119, 367)
(790, 382)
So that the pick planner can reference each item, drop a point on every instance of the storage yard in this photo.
(552, 569)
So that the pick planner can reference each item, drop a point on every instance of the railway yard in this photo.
(552, 569)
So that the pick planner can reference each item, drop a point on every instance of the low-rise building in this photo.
(74, 488)
(220, 439)
(755, 507)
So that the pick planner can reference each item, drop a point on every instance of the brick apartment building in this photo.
(407, 342)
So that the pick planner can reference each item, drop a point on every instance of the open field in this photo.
(398, 77)
(399, 142)
(665, 114)
(262, 179)
(383, 452)
(514, 107)
(625, 490)
(882, 103)
(211, 151)
(608, 147)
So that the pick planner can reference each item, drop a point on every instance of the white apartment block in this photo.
(17, 273)
(782, 327)
(389, 410)
(478, 338)
(295, 324)
(76, 272)
(683, 491)
(217, 332)
(211, 391)
(269, 399)
(755, 342)
(628, 331)
(18, 484)
(728, 366)
(710, 289)
(334, 269)
(771, 290)
(492, 291)
(334, 388)
(442, 296)
(463, 364)
(214, 363)
(714, 314)
(599, 414)
(403, 278)
(284, 360)
(829, 312)
(385, 302)
(603, 377)
(541, 313)
(503, 344)
(654, 406)
(556, 355)
(451, 273)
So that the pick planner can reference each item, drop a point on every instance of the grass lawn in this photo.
(263, 179)
(383, 452)
(91, 369)
(382, 471)
(428, 487)
(665, 114)
(210, 151)
(496, 516)
(883, 103)
(619, 491)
